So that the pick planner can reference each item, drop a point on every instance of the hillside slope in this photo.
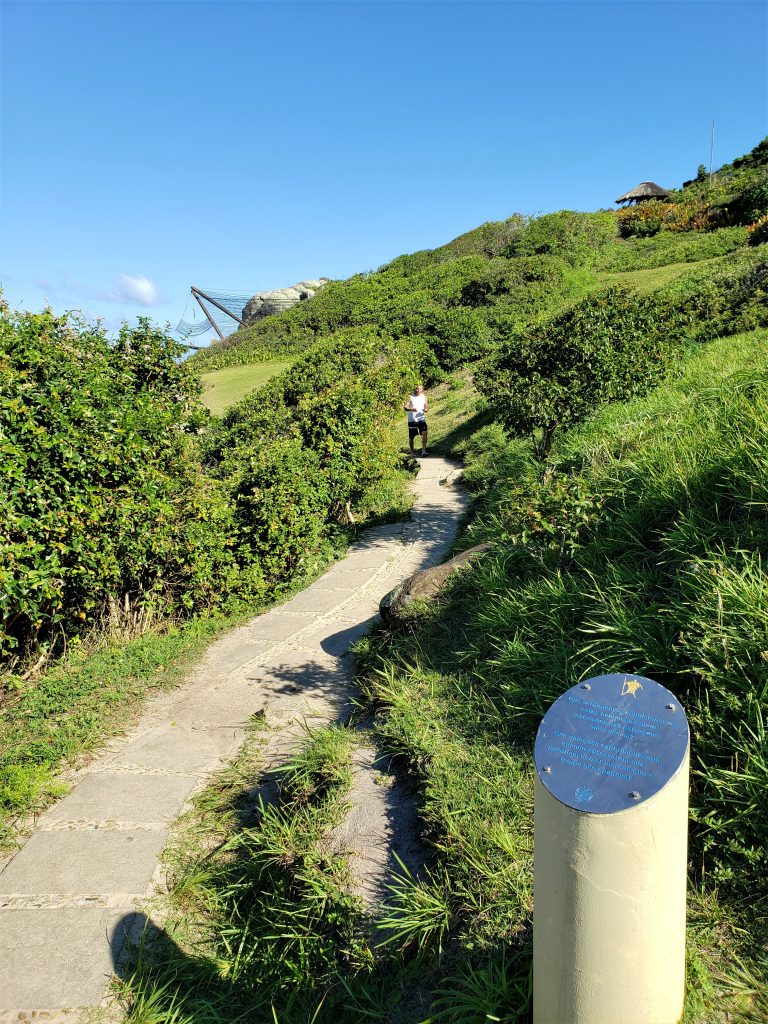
(505, 275)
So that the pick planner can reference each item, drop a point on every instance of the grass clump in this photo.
(258, 924)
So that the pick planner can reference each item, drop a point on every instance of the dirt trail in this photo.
(68, 897)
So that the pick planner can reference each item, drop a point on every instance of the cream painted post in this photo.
(610, 881)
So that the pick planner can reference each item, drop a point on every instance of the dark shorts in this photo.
(417, 428)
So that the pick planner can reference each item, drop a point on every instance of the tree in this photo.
(610, 346)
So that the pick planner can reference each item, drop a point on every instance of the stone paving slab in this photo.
(367, 562)
(295, 673)
(222, 711)
(59, 958)
(333, 638)
(137, 798)
(275, 626)
(239, 654)
(174, 749)
(87, 862)
(344, 571)
(320, 602)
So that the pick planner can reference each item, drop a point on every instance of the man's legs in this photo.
(424, 441)
(411, 436)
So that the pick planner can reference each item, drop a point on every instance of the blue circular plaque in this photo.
(610, 743)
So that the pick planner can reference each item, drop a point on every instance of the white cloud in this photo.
(137, 289)
(129, 289)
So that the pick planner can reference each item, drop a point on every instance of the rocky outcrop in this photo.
(268, 303)
(423, 585)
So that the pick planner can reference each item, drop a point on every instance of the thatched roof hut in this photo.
(645, 190)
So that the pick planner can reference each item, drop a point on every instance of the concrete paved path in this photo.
(67, 896)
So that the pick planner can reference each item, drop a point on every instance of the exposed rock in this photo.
(423, 585)
(268, 303)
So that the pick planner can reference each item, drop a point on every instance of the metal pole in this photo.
(610, 855)
(210, 318)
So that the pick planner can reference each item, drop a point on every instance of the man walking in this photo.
(417, 408)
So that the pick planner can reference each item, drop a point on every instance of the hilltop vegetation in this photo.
(617, 453)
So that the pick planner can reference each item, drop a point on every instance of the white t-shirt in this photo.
(417, 414)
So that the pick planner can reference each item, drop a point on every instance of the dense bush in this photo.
(609, 346)
(688, 213)
(101, 494)
(645, 219)
(726, 301)
(490, 239)
(752, 204)
(577, 238)
(115, 490)
(312, 450)
(758, 232)
(279, 496)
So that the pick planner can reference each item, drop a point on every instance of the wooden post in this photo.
(211, 321)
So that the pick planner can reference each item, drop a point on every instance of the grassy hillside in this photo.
(509, 274)
(640, 550)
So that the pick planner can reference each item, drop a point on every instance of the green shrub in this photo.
(683, 213)
(280, 499)
(490, 239)
(101, 494)
(752, 204)
(645, 219)
(609, 346)
(577, 238)
(312, 450)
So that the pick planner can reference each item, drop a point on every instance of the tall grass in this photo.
(641, 548)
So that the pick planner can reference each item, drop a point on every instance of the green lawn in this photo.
(223, 388)
(654, 277)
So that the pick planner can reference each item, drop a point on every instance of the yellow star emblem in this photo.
(631, 686)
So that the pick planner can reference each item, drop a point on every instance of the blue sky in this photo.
(147, 146)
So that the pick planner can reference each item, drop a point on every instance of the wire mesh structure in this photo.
(222, 312)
